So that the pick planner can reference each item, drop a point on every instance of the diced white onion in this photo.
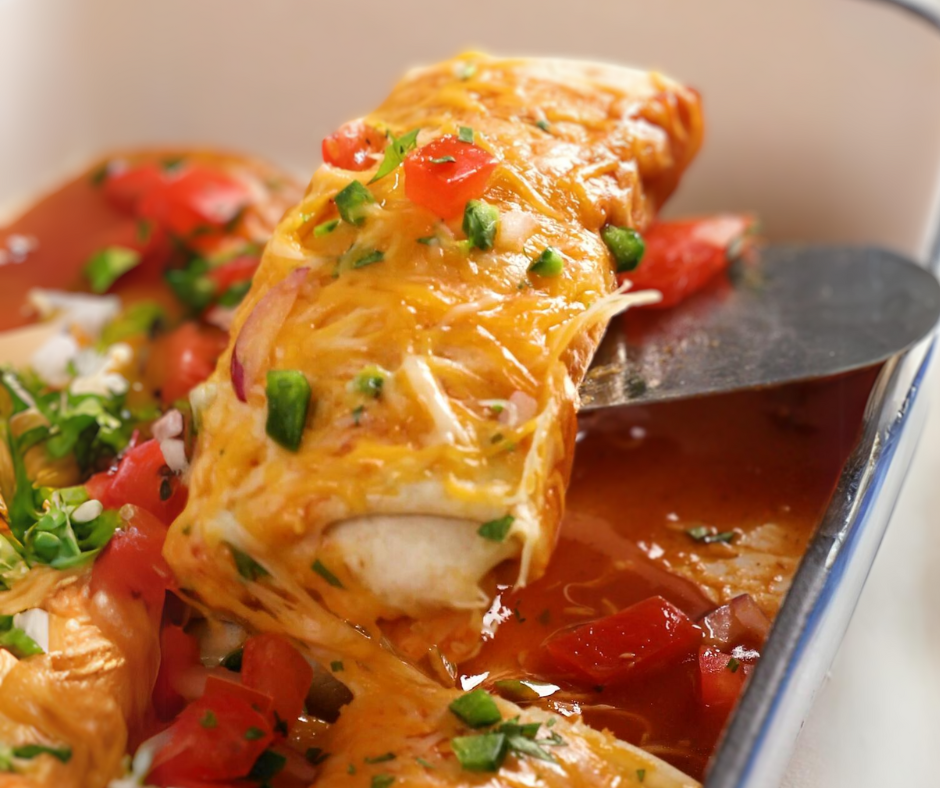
(88, 511)
(515, 228)
(169, 425)
(51, 361)
(220, 316)
(174, 453)
(34, 623)
(85, 311)
(97, 373)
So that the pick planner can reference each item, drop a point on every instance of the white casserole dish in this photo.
(822, 115)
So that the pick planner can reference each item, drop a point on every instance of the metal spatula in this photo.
(795, 313)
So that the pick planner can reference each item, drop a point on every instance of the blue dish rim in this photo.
(832, 548)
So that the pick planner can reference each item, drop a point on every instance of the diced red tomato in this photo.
(721, 677)
(141, 478)
(271, 665)
(445, 187)
(132, 565)
(194, 197)
(184, 358)
(235, 271)
(683, 256)
(354, 146)
(216, 685)
(126, 187)
(643, 638)
(179, 653)
(214, 738)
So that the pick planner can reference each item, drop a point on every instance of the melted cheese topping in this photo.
(454, 330)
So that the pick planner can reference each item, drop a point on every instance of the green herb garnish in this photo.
(16, 641)
(480, 221)
(383, 758)
(269, 764)
(734, 664)
(247, 567)
(549, 263)
(336, 665)
(544, 125)
(443, 160)
(465, 134)
(370, 381)
(481, 753)
(209, 720)
(352, 203)
(496, 530)
(288, 394)
(108, 265)
(375, 256)
(395, 152)
(477, 709)
(706, 535)
(30, 751)
(325, 228)
(381, 781)
(640, 775)
(253, 734)
(625, 244)
(326, 574)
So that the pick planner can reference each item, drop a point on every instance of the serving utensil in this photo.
(793, 313)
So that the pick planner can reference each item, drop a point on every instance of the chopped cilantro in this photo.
(326, 574)
(253, 734)
(383, 758)
(395, 152)
(640, 775)
(543, 124)
(247, 567)
(733, 664)
(325, 228)
(706, 535)
(443, 160)
(465, 134)
(424, 763)
(382, 781)
(269, 764)
(370, 381)
(108, 265)
(209, 720)
(336, 665)
(30, 751)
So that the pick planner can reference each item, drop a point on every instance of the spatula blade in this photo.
(794, 313)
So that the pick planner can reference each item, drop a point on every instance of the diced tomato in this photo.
(179, 653)
(721, 677)
(354, 146)
(649, 635)
(240, 269)
(184, 358)
(683, 256)
(127, 186)
(132, 565)
(192, 198)
(271, 665)
(141, 478)
(216, 685)
(214, 738)
(443, 186)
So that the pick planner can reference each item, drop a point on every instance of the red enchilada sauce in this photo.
(649, 484)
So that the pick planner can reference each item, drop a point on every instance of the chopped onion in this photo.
(220, 316)
(85, 311)
(174, 453)
(53, 359)
(520, 408)
(88, 511)
(169, 425)
(740, 622)
(259, 331)
(35, 623)
(515, 228)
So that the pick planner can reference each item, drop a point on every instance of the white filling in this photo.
(416, 563)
